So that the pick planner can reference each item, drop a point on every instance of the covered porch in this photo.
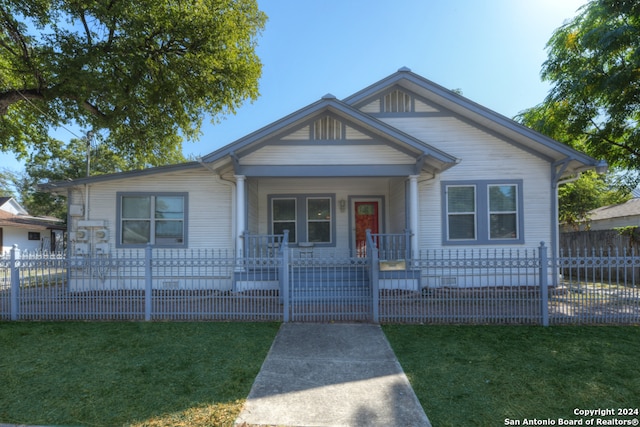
(325, 217)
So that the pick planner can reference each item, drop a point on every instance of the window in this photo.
(159, 219)
(503, 212)
(308, 218)
(319, 220)
(461, 210)
(482, 212)
(284, 217)
(33, 235)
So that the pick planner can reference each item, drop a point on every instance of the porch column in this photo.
(413, 213)
(240, 212)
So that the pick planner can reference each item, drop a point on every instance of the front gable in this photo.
(406, 95)
(329, 138)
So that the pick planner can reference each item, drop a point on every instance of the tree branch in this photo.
(86, 28)
(12, 96)
(625, 147)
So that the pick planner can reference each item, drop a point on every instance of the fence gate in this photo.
(330, 290)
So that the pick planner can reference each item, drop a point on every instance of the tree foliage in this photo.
(593, 66)
(59, 162)
(588, 192)
(146, 72)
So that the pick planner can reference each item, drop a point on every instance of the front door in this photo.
(366, 218)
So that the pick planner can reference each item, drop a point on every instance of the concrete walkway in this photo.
(331, 375)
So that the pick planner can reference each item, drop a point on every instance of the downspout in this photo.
(555, 211)
(86, 202)
(229, 183)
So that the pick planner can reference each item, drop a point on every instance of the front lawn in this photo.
(133, 374)
(199, 374)
(494, 375)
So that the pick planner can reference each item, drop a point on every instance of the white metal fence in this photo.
(443, 286)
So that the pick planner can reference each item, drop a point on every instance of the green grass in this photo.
(482, 375)
(199, 374)
(133, 374)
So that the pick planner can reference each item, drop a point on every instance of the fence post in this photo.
(284, 279)
(544, 284)
(372, 253)
(15, 282)
(148, 288)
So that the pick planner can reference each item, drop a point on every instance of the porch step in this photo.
(341, 284)
(342, 294)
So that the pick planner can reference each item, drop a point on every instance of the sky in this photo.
(491, 50)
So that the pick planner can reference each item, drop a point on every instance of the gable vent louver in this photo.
(396, 102)
(328, 128)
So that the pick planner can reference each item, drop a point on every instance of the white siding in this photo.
(352, 133)
(323, 154)
(483, 157)
(300, 134)
(421, 107)
(20, 236)
(210, 207)
(371, 108)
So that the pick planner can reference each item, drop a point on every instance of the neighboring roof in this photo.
(8, 219)
(627, 209)
(9, 204)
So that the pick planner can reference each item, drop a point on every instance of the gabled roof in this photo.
(628, 209)
(21, 219)
(426, 156)
(57, 186)
(572, 161)
(9, 204)
(566, 160)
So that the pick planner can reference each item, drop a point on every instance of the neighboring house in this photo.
(625, 214)
(30, 233)
(401, 154)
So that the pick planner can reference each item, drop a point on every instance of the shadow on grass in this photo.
(142, 374)
(483, 375)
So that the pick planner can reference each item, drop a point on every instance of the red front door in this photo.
(366, 218)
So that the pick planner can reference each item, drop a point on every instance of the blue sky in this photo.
(490, 49)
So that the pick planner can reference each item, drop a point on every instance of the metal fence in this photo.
(285, 284)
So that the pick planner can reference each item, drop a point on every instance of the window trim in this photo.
(483, 214)
(301, 216)
(154, 194)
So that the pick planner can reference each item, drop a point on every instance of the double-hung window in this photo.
(308, 218)
(284, 214)
(483, 212)
(156, 218)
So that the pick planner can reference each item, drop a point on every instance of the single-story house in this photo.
(625, 214)
(403, 155)
(30, 233)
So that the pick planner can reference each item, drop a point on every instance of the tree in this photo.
(146, 72)
(59, 162)
(588, 192)
(593, 66)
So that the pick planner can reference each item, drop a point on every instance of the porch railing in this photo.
(433, 286)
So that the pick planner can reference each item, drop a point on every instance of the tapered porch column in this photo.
(413, 213)
(240, 212)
